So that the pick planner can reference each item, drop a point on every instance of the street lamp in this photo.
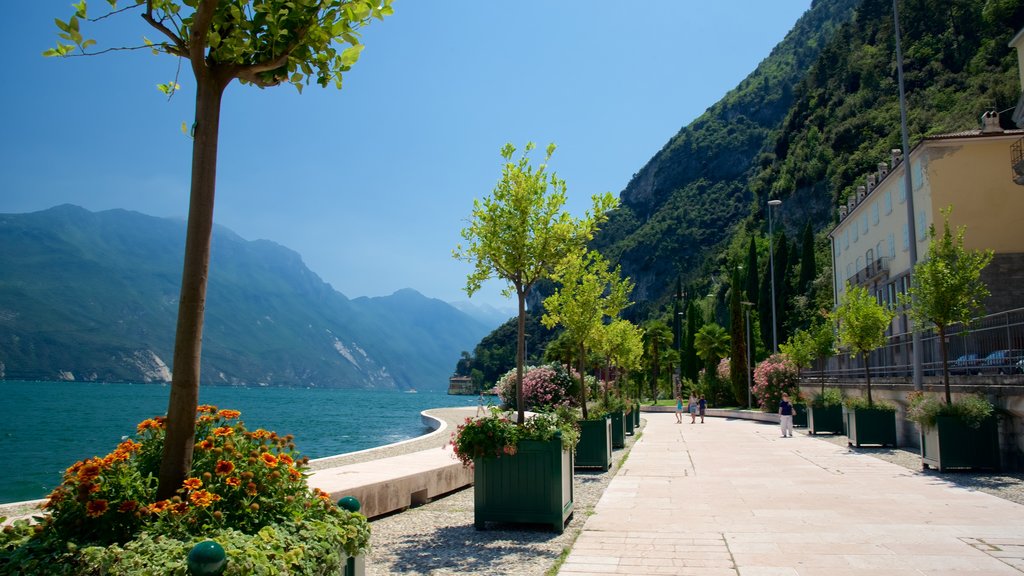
(771, 260)
(747, 306)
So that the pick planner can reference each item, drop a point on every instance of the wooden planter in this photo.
(594, 449)
(629, 422)
(822, 420)
(871, 426)
(618, 430)
(800, 415)
(532, 486)
(953, 444)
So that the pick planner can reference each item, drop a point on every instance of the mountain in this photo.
(486, 313)
(93, 296)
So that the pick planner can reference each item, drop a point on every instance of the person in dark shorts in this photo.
(786, 416)
(702, 405)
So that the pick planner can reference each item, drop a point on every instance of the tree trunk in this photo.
(583, 382)
(520, 355)
(188, 341)
(867, 375)
(945, 362)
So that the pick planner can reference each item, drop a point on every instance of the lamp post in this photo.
(746, 307)
(771, 260)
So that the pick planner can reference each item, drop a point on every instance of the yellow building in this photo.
(968, 171)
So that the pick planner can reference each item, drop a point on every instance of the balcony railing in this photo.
(876, 269)
(1017, 161)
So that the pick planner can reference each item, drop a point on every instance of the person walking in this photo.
(679, 408)
(692, 407)
(786, 416)
(702, 405)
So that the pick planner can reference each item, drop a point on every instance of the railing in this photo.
(874, 269)
(1002, 331)
(1017, 160)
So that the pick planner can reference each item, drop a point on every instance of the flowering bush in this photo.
(772, 377)
(724, 369)
(240, 481)
(497, 435)
(543, 386)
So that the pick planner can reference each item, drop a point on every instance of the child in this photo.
(679, 408)
(786, 416)
(693, 408)
(702, 405)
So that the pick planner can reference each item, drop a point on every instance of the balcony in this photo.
(1017, 161)
(875, 270)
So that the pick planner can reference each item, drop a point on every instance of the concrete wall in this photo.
(1005, 392)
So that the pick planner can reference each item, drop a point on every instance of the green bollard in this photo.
(207, 559)
(349, 503)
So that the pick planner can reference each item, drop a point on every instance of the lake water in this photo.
(47, 426)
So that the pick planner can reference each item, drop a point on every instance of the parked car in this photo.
(966, 364)
(1002, 361)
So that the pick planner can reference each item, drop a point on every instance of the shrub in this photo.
(241, 482)
(772, 377)
(861, 403)
(827, 398)
(970, 409)
(496, 435)
(543, 386)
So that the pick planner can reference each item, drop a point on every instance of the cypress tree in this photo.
(752, 273)
(694, 322)
(808, 267)
(738, 343)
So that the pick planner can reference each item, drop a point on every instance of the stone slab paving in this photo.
(731, 497)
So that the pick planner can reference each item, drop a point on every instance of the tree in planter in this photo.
(624, 346)
(588, 291)
(806, 346)
(861, 323)
(521, 234)
(277, 41)
(946, 288)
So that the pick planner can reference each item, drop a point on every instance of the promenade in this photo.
(730, 497)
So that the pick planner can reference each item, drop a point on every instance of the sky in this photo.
(373, 183)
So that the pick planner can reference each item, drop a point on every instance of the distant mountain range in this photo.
(93, 297)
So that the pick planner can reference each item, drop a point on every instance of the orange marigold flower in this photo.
(224, 467)
(294, 474)
(90, 470)
(260, 434)
(205, 444)
(150, 424)
(286, 459)
(206, 408)
(269, 459)
(251, 489)
(233, 481)
(96, 508)
(223, 431)
(229, 414)
(205, 419)
(192, 483)
(180, 508)
(202, 498)
(157, 507)
(128, 506)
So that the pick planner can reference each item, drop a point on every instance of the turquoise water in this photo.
(47, 426)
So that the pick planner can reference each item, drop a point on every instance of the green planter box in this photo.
(636, 416)
(594, 449)
(533, 486)
(629, 423)
(800, 415)
(354, 566)
(618, 430)
(871, 426)
(953, 444)
(822, 420)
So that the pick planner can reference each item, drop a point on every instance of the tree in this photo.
(808, 265)
(520, 234)
(588, 291)
(656, 340)
(712, 344)
(861, 323)
(624, 345)
(694, 321)
(752, 273)
(738, 340)
(946, 288)
(273, 42)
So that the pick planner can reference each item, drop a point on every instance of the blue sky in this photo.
(372, 184)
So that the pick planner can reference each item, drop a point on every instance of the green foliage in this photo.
(712, 344)
(247, 490)
(773, 377)
(861, 321)
(496, 435)
(544, 387)
(970, 409)
(805, 346)
(853, 403)
(827, 398)
(737, 341)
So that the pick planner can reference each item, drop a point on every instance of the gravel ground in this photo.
(438, 538)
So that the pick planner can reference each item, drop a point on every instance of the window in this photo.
(892, 245)
(903, 191)
(888, 201)
(860, 263)
(864, 223)
(918, 175)
(906, 237)
(892, 292)
(838, 249)
(874, 213)
(856, 232)
(922, 230)
(846, 239)
(849, 270)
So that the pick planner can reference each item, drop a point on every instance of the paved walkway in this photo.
(731, 497)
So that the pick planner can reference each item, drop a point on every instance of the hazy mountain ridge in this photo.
(93, 296)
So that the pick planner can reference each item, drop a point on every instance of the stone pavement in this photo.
(730, 497)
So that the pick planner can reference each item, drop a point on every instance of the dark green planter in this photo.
(953, 444)
(533, 486)
(636, 416)
(825, 420)
(800, 415)
(871, 426)
(618, 430)
(629, 423)
(594, 449)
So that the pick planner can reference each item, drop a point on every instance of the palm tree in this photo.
(712, 343)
